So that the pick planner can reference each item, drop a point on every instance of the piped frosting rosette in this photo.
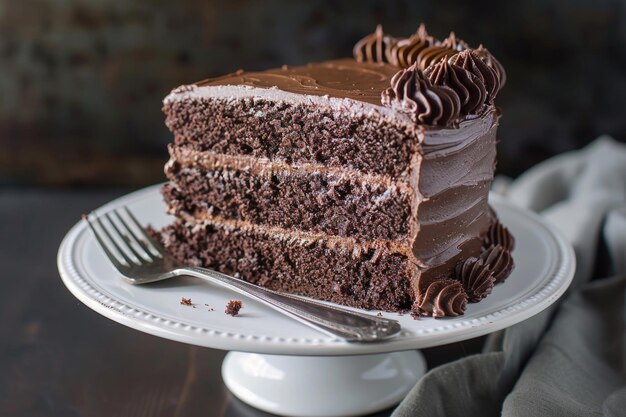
(412, 93)
(434, 75)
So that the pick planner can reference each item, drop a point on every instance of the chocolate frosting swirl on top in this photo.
(439, 50)
(403, 52)
(455, 80)
(442, 298)
(455, 43)
(493, 63)
(412, 93)
(433, 54)
(471, 62)
(372, 48)
(467, 86)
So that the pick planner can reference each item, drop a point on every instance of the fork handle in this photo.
(348, 325)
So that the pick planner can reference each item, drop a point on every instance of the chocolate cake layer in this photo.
(307, 265)
(293, 128)
(307, 199)
(365, 275)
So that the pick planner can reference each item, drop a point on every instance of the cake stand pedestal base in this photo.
(306, 386)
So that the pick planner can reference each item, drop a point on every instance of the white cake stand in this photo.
(289, 368)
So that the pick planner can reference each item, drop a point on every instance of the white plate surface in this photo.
(544, 268)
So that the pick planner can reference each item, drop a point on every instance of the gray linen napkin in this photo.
(569, 360)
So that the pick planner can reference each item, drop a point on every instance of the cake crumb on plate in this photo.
(233, 307)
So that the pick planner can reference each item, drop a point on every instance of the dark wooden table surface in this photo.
(59, 358)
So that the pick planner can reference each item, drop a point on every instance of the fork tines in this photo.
(125, 242)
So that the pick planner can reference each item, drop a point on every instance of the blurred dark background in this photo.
(81, 81)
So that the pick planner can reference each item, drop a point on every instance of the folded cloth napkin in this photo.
(569, 360)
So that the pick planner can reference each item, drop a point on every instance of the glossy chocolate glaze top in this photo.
(342, 78)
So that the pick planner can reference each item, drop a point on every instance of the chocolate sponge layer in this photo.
(370, 279)
(312, 201)
(293, 133)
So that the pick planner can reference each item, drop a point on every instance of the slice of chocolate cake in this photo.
(360, 181)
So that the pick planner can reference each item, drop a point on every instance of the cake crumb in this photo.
(416, 315)
(233, 307)
(186, 302)
(379, 314)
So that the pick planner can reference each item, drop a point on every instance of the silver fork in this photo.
(141, 260)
